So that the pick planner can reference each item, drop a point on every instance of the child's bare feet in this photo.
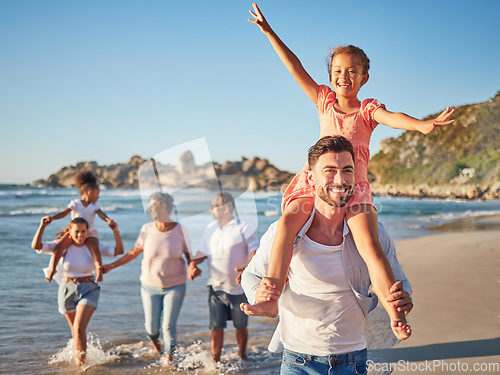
(80, 358)
(269, 309)
(400, 329)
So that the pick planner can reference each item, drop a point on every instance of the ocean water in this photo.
(35, 338)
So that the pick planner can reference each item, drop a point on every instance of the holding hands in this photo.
(46, 220)
(401, 301)
(105, 268)
(98, 273)
(266, 291)
(112, 224)
(193, 271)
(399, 298)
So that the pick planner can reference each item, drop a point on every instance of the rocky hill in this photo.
(255, 174)
(459, 161)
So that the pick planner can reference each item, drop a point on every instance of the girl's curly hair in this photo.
(86, 180)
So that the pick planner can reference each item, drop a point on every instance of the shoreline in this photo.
(475, 223)
(456, 296)
(376, 193)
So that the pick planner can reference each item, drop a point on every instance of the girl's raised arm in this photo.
(288, 58)
(405, 122)
(36, 244)
(118, 239)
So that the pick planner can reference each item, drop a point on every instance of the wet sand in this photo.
(477, 223)
(456, 293)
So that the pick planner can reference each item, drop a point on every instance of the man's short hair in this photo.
(335, 144)
(221, 199)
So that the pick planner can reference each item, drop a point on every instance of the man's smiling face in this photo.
(333, 178)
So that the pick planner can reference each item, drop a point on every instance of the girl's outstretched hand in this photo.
(259, 19)
(441, 120)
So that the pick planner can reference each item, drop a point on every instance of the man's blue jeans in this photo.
(294, 363)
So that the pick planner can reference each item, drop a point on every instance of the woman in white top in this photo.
(48, 247)
(88, 187)
(163, 275)
(78, 293)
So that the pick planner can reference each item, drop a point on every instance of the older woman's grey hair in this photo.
(164, 198)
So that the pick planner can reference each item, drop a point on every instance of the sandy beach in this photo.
(456, 293)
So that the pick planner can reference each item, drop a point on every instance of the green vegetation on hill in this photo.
(439, 158)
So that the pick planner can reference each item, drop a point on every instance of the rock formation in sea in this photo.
(253, 174)
(457, 161)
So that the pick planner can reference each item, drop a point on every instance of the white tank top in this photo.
(78, 262)
(319, 313)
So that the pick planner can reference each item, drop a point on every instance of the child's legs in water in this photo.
(363, 222)
(293, 219)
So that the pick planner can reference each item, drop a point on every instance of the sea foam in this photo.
(95, 355)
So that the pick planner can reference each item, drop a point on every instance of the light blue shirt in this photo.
(355, 268)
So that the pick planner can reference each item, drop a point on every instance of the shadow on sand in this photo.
(449, 350)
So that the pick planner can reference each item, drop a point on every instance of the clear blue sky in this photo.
(104, 80)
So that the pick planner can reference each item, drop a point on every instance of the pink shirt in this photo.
(163, 265)
(357, 127)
